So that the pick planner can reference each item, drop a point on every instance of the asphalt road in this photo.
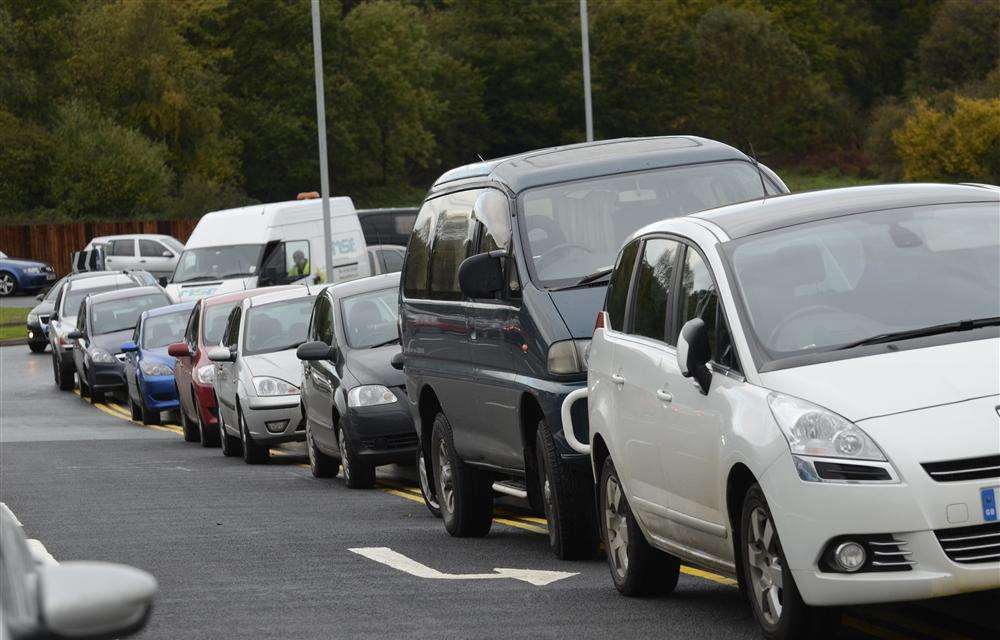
(264, 551)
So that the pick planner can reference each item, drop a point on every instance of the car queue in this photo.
(681, 363)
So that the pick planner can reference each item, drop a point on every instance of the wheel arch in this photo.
(428, 406)
(738, 483)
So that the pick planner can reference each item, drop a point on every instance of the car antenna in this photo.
(480, 156)
(756, 165)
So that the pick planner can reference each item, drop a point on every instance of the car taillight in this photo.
(599, 323)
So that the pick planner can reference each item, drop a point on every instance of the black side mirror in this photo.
(74, 335)
(316, 350)
(693, 353)
(481, 276)
(163, 280)
(397, 361)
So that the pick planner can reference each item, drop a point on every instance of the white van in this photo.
(269, 244)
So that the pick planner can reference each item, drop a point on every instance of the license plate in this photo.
(50, 277)
(990, 497)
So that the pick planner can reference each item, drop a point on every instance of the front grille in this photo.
(43, 319)
(979, 543)
(397, 441)
(885, 553)
(967, 469)
(856, 472)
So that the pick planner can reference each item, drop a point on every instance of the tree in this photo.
(958, 145)
(960, 46)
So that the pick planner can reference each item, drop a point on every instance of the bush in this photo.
(960, 145)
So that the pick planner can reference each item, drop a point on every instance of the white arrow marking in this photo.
(398, 561)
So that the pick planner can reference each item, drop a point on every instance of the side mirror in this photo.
(316, 350)
(481, 276)
(74, 334)
(163, 281)
(220, 354)
(129, 346)
(397, 361)
(693, 353)
(167, 254)
(94, 599)
(179, 350)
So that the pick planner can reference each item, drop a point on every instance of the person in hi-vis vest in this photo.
(300, 265)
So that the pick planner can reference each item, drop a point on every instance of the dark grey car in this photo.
(505, 273)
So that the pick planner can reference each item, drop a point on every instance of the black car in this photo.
(504, 275)
(353, 400)
(104, 322)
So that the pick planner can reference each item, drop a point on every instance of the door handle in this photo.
(664, 395)
(618, 378)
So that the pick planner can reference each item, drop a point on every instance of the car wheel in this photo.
(8, 284)
(637, 569)
(64, 378)
(191, 432)
(133, 409)
(774, 598)
(37, 347)
(231, 445)
(149, 416)
(209, 437)
(96, 397)
(321, 465)
(427, 483)
(568, 499)
(253, 453)
(465, 495)
(358, 474)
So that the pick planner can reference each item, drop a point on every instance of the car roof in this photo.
(84, 275)
(167, 310)
(106, 278)
(152, 236)
(372, 212)
(364, 285)
(119, 294)
(266, 297)
(590, 159)
(236, 296)
(759, 216)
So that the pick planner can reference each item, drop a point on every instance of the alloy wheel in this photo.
(425, 482)
(764, 560)
(617, 527)
(7, 284)
(446, 481)
(309, 449)
(345, 460)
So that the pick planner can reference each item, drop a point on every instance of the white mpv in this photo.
(802, 393)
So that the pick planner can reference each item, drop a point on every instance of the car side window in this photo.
(323, 321)
(618, 285)
(698, 298)
(653, 281)
(392, 260)
(191, 335)
(81, 318)
(417, 263)
(123, 247)
(454, 238)
(153, 249)
(231, 335)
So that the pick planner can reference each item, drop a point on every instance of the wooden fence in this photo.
(55, 243)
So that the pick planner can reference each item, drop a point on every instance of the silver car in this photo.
(257, 375)
(155, 253)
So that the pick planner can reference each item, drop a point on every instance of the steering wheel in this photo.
(560, 248)
(795, 315)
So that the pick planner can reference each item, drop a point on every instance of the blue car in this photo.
(149, 370)
(23, 275)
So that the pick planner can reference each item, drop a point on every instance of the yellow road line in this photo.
(708, 575)
(870, 629)
(520, 525)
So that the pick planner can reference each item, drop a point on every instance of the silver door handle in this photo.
(618, 378)
(664, 395)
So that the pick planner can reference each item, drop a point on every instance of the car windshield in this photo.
(574, 229)
(277, 326)
(370, 318)
(827, 285)
(75, 295)
(218, 263)
(160, 331)
(214, 323)
(123, 313)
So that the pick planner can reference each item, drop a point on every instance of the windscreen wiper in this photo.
(589, 279)
(386, 343)
(198, 279)
(948, 327)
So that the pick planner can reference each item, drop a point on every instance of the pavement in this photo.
(265, 551)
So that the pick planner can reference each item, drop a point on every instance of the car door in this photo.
(182, 365)
(120, 254)
(131, 364)
(225, 372)
(643, 399)
(81, 343)
(319, 378)
(155, 257)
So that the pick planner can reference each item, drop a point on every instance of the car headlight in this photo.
(101, 356)
(268, 386)
(370, 395)
(150, 368)
(205, 374)
(32, 269)
(814, 431)
(569, 356)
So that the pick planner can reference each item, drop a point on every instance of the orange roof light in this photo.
(307, 195)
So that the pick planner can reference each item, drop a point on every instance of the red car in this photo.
(194, 372)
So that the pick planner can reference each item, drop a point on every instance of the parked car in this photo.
(497, 310)
(385, 258)
(194, 373)
(269, 244)
(802, 393)
(155, 253)
(37, 321)
(257, 376)
(62, 318)
(391, 225)
(149, 369)
(82, 600)
(353, 400)
(26, 276)
(104, 322)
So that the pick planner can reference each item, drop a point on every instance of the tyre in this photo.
(8, 284)
(568, 499)
(209, 437)
(358, 474)
(465, 495)
(636, 568)
(37, 347)
(427, 483)
(191, 432)
(774, 598)
(149, 416)
(321, 465)
(231, 446)
(64, 377)
(134, 409)
(96, 397)
(253, 453)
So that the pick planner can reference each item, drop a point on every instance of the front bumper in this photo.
(550, 396)
(382, 434)
(158, 392)
(107, 376)
(207, 406)
(36, 281)
(37, 333)
(284, 413)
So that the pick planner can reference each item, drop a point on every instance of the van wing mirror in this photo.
(481, 276)
(316, 350)
(693, 353)
(94, 599)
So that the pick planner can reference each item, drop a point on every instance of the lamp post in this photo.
(324, 172)
(585, 38)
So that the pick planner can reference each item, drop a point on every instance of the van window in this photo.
(618, 286)
(652, 288)
(286, 262)
(492, 211)
(453, 243)
(218, 263)
(418, 254)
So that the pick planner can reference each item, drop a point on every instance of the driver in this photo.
(300, 265)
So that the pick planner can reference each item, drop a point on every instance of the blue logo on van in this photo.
(343, 246)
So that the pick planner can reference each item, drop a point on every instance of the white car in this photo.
(802, 393)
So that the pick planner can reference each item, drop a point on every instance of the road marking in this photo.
(398, 561)
(708, 575)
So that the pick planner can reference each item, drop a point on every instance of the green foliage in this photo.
(960, 47)
(27, 154)
(960, 144)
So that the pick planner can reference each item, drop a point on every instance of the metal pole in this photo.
(585, 37)
(324, 172)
